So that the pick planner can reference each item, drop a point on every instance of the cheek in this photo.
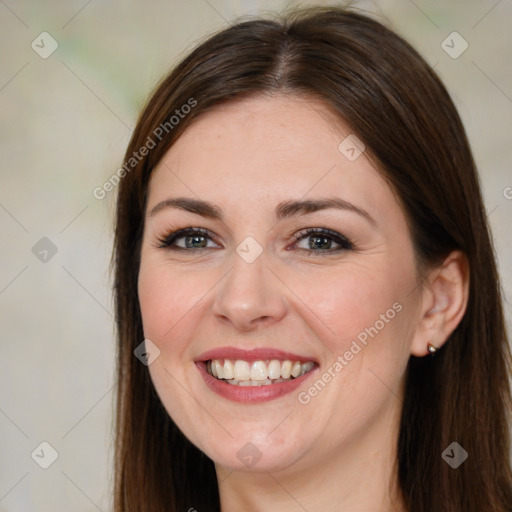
(366, 326)
(169, 301)
(166, 298)
(356, 301)
(367, 320)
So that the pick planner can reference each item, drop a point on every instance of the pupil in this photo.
(323, 242)
(191, 241)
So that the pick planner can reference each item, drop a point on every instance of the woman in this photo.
(302, 244)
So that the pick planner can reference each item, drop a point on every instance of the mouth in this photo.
(253, 376)
(240, 372)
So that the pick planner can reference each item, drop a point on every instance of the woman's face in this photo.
(298, 252)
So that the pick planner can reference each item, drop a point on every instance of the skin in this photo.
(247, 157)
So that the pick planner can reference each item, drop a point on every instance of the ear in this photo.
(444, 299)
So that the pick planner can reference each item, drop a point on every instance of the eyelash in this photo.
(167, 241)
(344, 243)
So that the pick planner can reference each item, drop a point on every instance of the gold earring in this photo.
(431, 348)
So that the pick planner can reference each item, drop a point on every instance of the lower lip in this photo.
(251, 394)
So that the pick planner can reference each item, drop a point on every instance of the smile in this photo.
(254, 375)
(257, 373)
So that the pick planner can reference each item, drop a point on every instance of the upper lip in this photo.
(255, 354)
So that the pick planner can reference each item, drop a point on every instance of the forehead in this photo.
(267, 148)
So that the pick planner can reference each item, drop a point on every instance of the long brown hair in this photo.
(394, 102)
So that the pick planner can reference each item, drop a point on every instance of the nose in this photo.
(250, 296)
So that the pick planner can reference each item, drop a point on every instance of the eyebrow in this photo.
(283, 210)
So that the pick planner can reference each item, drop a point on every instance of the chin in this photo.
(254, 458)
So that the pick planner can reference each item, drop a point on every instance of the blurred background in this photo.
(73, 77)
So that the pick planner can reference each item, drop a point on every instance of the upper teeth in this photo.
(257, 370)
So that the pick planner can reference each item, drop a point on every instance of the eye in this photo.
(313, 240)
(321, 240)
(186, 238)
